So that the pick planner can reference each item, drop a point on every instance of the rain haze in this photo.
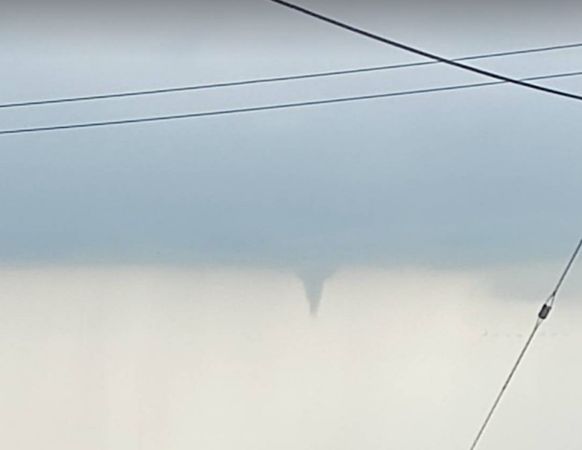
(348, 276)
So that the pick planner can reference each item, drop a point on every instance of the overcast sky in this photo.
(489, 175)
(142, 301)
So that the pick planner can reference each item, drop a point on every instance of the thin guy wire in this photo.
(272, 107)
(568, 267)
(549, 303)
(424, 53)
(200, 87)
(506, 384)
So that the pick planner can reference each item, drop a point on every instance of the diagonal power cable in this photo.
(542, 315)
(417, 51)
(277, 106)
(279, 79)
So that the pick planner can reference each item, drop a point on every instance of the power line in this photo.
(274, 106)
(199, 87)
(424, 53)
(542, 315)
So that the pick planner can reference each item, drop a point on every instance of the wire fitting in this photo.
(545, 311)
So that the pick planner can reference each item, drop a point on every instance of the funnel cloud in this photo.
(313, 279)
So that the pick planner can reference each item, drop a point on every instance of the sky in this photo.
(154, 277)
(143, 358)
(449, 179)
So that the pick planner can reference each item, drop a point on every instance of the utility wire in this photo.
(542, 315)
(424, 53)
(275, 106)
(200, 87)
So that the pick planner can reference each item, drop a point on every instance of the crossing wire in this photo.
(279, 79)
(278, 106)
(433, 56)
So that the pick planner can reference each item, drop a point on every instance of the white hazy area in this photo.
(230, 359)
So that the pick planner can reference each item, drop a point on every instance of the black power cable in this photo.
(424, 53)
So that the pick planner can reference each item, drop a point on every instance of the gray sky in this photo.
(138, 306)
(489, 175)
